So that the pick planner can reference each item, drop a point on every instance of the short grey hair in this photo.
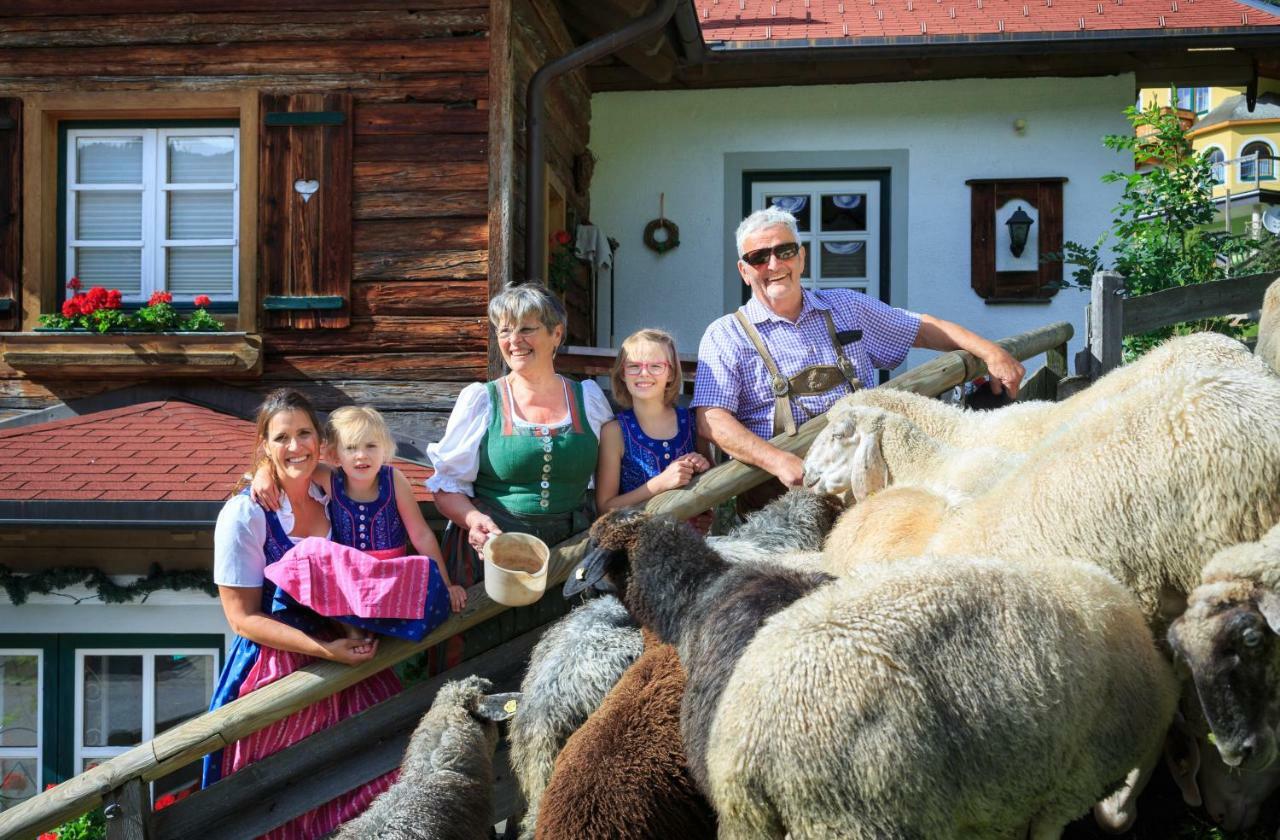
(518, 301)
(766, 218)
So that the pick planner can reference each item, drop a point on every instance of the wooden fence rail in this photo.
(190, 741)
(1112, 316)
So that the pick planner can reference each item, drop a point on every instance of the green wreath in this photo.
(19, 586)
(672, 239)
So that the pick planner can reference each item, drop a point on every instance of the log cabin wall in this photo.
(418, 76)
(538, 35)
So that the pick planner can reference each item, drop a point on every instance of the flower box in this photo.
(76, 354)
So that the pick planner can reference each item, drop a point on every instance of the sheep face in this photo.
(1228, 638)
(846, 456)
(604, 567)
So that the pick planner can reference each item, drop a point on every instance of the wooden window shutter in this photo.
(10, 213)
(985, 197)
(304, 212)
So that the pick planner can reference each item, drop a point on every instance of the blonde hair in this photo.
(660, 337)
(356, 424)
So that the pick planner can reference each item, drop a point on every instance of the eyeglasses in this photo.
(760, 256)
(652, 368)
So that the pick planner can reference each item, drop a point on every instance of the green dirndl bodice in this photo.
(532, 479)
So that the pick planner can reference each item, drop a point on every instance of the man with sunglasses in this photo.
(788, 354)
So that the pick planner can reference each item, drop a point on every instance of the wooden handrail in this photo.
(214, 730)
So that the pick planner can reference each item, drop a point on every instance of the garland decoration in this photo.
(20, 587)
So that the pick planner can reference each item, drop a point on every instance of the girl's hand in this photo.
(677, 474)
(457, 597)
(480, 528)
(351, 651)
(263, 490)
(700, 463)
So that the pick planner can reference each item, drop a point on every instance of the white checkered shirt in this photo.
(732, 376)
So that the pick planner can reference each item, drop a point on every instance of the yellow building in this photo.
(1244, 146)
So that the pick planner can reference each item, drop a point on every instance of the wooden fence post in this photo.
(1106, 318)
(128, 811)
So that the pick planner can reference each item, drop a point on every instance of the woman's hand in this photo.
(263, 490)
(480, 529)
(351, 651)
(457, 597)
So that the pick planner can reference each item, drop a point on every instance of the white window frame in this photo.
(155, 191)
(82, 753)
(1259, 163)
(26, 752)
(814, 238)
(1219, 169)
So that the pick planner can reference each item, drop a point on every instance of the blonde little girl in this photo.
(651, 445)
(365, 581)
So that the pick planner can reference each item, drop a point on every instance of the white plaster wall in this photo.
(164, 612)
(676, 142)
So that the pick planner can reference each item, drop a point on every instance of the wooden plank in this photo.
(1106, 316)
(391, 334)
(33, 8)
(11, 213)
(128, 809)
(415, 118)
(328, 763)
(438, 297)
(335, 201)
(435, 55)
(218, 27)
(653, 57)
(438, 366)
(420, 265)
(62, 356)
(421, 148)
(382, 395)
(1195, 301)
(420, 204)
(370, 86)
(407, 176)
(502, 176)
(415, 235)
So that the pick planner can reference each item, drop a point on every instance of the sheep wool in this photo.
(1268, 347)
(445, 789)
(572, 668)
(623, 774)
(979, 698)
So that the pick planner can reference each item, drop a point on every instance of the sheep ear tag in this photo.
(870, 473)
(498, 707)
(589, 571)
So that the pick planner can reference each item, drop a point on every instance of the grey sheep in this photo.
(445, 789)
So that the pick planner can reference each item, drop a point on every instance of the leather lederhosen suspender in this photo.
(815, 379)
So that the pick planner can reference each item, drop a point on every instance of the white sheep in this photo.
(1268, 347)
(975, 698)
(445, 789)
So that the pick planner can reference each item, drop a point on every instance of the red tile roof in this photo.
(807, 20)
(155, 451)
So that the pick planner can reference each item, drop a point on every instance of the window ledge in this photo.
(75, 355)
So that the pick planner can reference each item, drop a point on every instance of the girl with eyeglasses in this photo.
(651, 445)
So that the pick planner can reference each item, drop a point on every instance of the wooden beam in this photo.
(1193, 302)
(128, 812)
(502, 156)
(652, 57)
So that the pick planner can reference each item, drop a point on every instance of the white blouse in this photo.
(239, 538)
(456, 458)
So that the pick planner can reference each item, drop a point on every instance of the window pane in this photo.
(109, 215)
(17, 781)
(844, 259)
(201, 160)
(112, 701)
(200, 215)
(796, 205)
(199, 271)
(844, 212)
(808, 261)
(109, 160)
(19, 700)
(184, 685)
(1184, 98)
(114, 268)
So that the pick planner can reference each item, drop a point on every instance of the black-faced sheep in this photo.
(1228, 637)
(991, 670)
(445, 789)
(623, 775)
(572, 668)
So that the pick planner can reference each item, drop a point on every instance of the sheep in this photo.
(574, 665)
(1020, 427)
(445, 789)
(1268, 347)
(848, 676)
(577, 661)
(1227, 636)
(623, 774)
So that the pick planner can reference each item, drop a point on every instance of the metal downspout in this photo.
(535, 244)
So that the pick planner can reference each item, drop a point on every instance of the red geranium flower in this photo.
(160, 297)
(561, 237)
(164, 801)
(113, 299)
(71, 306)
(97, 297)
(202, 300)
(74, 284)
(48, 835)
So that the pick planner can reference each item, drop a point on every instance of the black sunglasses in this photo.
(760, 256)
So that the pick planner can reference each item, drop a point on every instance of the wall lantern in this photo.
(1019, 226)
